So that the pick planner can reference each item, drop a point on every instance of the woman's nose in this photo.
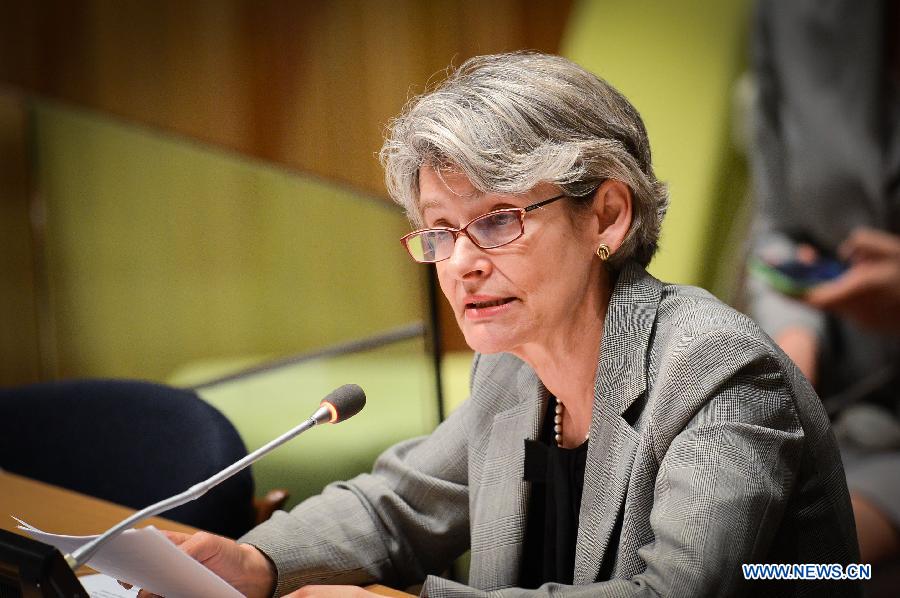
(468, 259)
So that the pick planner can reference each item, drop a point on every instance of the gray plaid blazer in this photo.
(707, 450)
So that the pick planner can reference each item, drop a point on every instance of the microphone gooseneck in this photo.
(340, 404)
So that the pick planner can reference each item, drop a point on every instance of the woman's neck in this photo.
(567, 365)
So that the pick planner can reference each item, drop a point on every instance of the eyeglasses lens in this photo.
(496, 229)
(430, 246)
(491, 230)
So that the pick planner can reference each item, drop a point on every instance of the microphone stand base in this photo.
(32, 569)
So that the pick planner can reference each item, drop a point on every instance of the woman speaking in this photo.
(623, 436)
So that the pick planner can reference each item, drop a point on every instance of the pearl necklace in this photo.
(557, 424)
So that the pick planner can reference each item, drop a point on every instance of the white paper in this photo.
(104, 586)
(144, 558)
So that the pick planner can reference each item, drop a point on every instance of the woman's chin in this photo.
(487, 344)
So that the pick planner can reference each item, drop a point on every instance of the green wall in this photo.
(677, 62)
(160, 253)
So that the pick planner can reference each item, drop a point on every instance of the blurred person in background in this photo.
(826, 171)
(623, 436)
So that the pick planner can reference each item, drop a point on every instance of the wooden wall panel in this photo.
(307, 84)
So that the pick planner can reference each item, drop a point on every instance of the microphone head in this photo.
(344, 402)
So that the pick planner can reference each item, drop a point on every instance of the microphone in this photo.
(342, 403)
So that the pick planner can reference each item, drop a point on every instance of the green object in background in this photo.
(161, 252)
(401, 403)
(796, 278)
(456, 369)
(777, 280)
(677, 62)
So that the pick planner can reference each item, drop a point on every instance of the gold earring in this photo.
(603, 252)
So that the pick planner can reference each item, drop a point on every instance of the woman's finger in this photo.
(202, 546)
(176, 538)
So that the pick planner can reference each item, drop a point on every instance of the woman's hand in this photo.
(241, 565)
(869, 291)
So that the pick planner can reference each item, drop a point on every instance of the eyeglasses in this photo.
(494, 229)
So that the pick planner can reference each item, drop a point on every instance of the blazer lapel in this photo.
(501, 499)
(621, 379)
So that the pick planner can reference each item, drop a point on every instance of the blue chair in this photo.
(129, 442)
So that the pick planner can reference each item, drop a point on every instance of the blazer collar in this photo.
(622, 369)
(621, 379)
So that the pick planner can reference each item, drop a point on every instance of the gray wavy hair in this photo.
(511, 121)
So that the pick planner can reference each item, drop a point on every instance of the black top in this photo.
(557, 479)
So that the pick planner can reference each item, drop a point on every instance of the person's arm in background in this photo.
(801, 344)
(795, 327)
(869, 291)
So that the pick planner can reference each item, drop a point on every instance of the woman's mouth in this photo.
(475, 310)
(492, 303)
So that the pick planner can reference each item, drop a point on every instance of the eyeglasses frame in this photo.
(456, 232)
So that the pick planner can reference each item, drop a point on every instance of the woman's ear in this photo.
(612, 213)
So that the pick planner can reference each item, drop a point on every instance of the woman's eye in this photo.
(503, 219)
